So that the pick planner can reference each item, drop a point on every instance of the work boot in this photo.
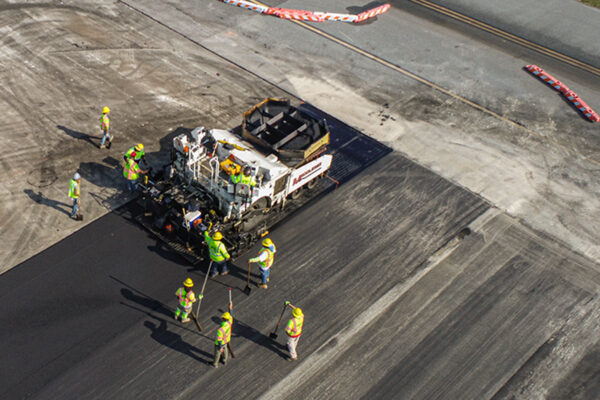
(185, 320)
(268, 280)
(263, 285)
(102, 146)
(225, 273)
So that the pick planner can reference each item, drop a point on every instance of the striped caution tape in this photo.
(305, 15)
(581, 105)
(248, 5)
(372, 12)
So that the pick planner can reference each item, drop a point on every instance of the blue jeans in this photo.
(132, 185)
(75, 207)
(264, 274)
(221, 266)
(105, 136)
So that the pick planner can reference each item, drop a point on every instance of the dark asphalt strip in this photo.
(64, 303)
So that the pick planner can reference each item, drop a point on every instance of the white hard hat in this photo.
(76, 176)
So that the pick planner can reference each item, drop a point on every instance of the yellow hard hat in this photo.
(218, 236)
(267, 242)
(226, 316)
(139, 146)
(105, 110)
(188, 283)
(297, 312)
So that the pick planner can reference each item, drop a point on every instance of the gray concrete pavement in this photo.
(569, 27)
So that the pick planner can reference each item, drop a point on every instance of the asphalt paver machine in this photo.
(282, 147)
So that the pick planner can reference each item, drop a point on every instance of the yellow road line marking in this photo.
(509, 36)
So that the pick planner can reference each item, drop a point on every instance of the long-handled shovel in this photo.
(229, 343)
(273, 335)
(247, 290)
(200, 300)
(195, 318)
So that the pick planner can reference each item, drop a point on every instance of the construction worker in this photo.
(75, 194)
(244, 178)
(131, 172)
(136, 152)
(223, 338)
(294, 330)
(186, 298)
(265, 260)
(105, 126)
(218, 253)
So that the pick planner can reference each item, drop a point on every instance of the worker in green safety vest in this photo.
(131, 172)
(75, 194)
(218, 253)
(105, 126)
(186, 298)
(294, 330)
(265, 260)
(136, 152)
(244, 178)
(223, 338)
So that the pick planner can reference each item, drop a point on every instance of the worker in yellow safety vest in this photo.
(75, 194)
(136, 152)
(265, 260)
(105, 126)
(186, 298)
(223, 338)
(245, 177)
(294, 331)
(131, 172)
(218, 253)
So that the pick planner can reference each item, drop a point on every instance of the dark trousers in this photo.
(221, 266)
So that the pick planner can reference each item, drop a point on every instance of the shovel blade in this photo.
(273, 335)
(247, 290)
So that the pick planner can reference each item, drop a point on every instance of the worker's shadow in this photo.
(161, 249)
(102, 175)
(142, 298)
(242, 272)
(147, 302)
(80, 135)
(162, 335)
(41, 199)
(246, 331)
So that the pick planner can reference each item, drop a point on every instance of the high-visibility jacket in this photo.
(74, 189)
(224, 333)
(134, 153)
(104, 122)
(244, 179)
(265, 257)
(186, 298)
(131, 170)
(216, 248)
(294, 326)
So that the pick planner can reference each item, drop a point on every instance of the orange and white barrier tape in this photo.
(581, 105)
(305, 15)
(248, 5)
(372, 12)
